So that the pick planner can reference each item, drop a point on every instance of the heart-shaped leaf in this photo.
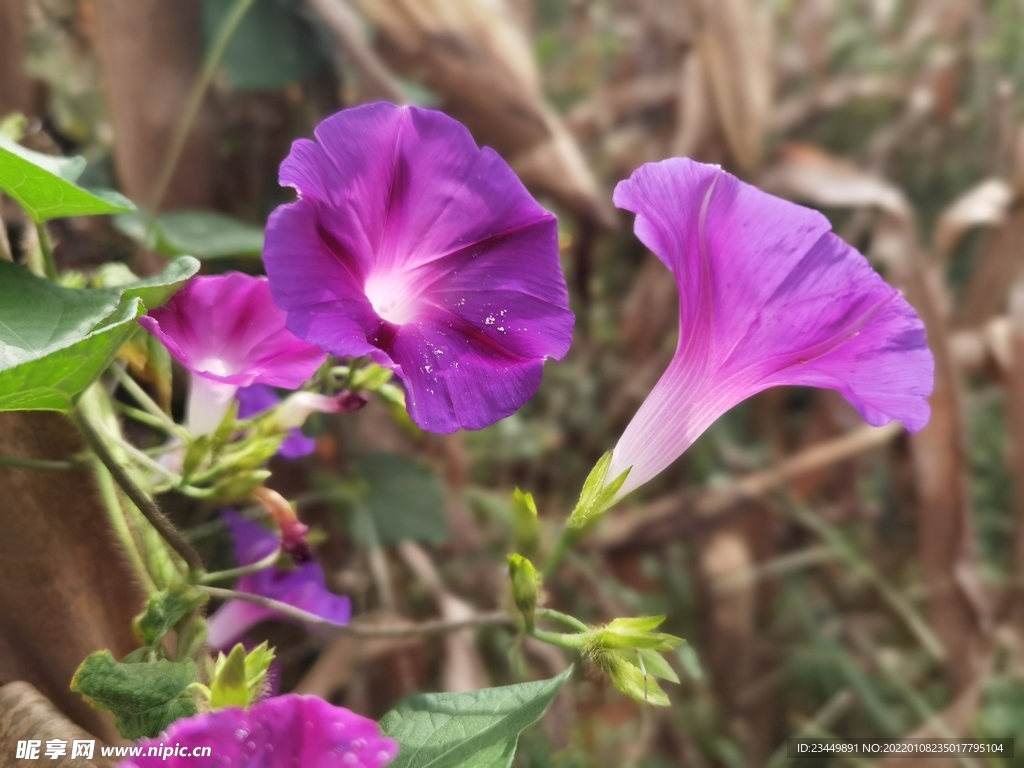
(144, 698)
(467, 730)
(45, 185)
(55, 341)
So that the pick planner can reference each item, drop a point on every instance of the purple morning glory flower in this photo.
(410, 244)
(768, 296)
(226, 330)
(280, 732)
(257, 398)
(303, 586)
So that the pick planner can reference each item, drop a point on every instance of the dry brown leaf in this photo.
(804, 172)
(985, 204)
(999, 264)
(735, 45)
(477, 57)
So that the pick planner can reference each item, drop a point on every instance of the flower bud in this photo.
(299, 405)
(525, 586)
(293, 532)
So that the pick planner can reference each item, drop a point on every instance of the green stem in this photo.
(242, 570)
(562, 618)
(195, 100)
(573, 641)
(148, 405)
(46, 247)
(143, 417)
(566, 540)
(146, 505)
(45, 464)
(142, 458)
(116, 513)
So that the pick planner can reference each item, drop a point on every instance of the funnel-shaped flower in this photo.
(302, 587)
(410, 244)
(226, 330)
(280, 732)
(768, 295)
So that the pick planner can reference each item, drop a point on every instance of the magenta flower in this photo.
(280, 732)
(768, 296)
(228, 333)
(302, 587)
(411, 245)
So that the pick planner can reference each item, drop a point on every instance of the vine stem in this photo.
(435, 627)
(242, 570)
(195, 100)
(146, 505)
(46, 247)
(44, 464)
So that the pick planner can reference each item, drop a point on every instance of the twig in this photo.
(195, 100)
(435, 627)
(146, 505)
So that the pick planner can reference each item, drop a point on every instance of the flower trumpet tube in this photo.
(412, 245)
(768, 296)
(227, 332)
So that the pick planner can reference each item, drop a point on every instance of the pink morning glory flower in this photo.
(226, 330)
(280, 732)
(768, 296)
(412, 245)
(302, 587)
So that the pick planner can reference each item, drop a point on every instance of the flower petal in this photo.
(404, 231)
(768, 296)
(226, 328)
(278, 732)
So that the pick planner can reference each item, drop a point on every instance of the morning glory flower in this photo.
(411, 245)
(768, 296)
(226, 330)
(302, 587)
(279, 732)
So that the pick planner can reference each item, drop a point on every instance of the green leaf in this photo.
(144, 698)
(467, 730)
(203, 234)
(55, 341)
(272, 47)
(165, 609)
(405, 499)
(45, 185)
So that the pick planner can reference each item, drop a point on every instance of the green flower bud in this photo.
(525, 587)
(525, 522)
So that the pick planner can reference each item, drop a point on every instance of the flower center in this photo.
(392, 298)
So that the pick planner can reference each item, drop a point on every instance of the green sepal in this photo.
(239, 678)
(597, 495)
(165, 609)
(636, 633)
(144, 698)
(629, 678)
(525, 587)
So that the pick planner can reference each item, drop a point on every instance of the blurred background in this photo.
(830, 578)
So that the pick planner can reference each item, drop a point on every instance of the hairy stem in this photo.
(146, 505)
(118, 520)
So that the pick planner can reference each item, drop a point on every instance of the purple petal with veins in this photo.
(768, 296)
(412, 245)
